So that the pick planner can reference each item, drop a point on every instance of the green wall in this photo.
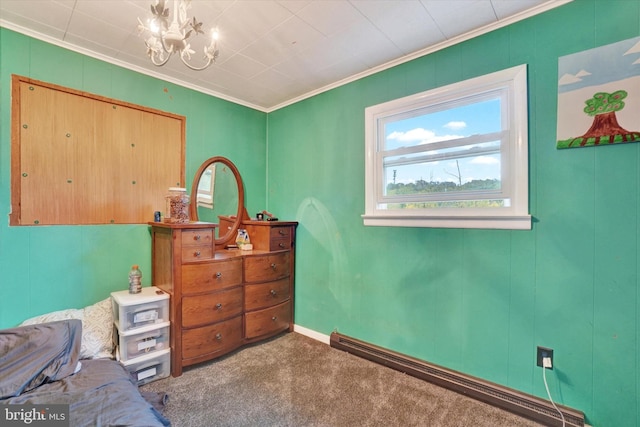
(46, 268)
(478, 301)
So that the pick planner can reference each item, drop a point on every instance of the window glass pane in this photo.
(450, 121)
(459, 204)
(443, 171)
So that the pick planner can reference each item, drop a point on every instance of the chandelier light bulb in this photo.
(154, 27)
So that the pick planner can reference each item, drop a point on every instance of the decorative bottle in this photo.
(135, 280)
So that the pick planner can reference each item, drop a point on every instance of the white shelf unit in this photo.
(141, 333)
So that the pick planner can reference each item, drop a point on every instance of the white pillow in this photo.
(97, 331)
(97, 327)
(72, 313)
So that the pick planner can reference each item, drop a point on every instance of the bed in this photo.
(42, 364)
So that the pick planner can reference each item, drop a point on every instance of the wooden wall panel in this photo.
(79, 158)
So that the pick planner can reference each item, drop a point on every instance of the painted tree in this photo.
(605, 128)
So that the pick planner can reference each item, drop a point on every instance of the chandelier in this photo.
(166, 39)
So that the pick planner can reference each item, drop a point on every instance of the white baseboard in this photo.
(312, 334)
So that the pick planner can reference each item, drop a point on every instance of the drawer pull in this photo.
(218, 275)
(218, 306)
(274, 318)
(282, 232)
(218, 336)
(196, 237)
(273, 266)
(282, 245)
(273, 292)
(196, 254)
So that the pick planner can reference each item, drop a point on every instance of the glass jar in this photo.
(177, 211)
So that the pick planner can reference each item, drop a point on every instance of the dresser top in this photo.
(192, 224)
(269, 223)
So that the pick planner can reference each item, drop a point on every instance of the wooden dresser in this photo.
(221, 299)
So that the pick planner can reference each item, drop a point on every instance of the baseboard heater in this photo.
(523, 404)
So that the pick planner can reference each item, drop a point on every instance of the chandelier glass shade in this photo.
(165, 37)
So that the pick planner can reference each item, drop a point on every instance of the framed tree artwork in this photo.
(599, 96)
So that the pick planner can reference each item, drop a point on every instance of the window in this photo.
(454, 156)
(206, 186)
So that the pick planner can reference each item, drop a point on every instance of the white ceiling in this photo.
(272, 53)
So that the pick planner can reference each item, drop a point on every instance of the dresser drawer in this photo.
(268, 321)
(195, 253)
(209, 340)
(266, 268)
(266, 294)
(204, 309)
(279, 238)
(201, 237)
(209, 276)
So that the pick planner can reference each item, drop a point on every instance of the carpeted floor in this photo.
(293, 380)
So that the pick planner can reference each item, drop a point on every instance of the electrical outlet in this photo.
(542, 353)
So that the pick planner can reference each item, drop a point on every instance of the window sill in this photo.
(515, 222)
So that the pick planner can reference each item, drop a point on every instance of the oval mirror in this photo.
(217, 195)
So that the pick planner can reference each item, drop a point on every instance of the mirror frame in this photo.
(193, 208)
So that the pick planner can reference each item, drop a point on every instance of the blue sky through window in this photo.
(450, 123)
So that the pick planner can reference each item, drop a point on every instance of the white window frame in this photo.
(514, 156)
